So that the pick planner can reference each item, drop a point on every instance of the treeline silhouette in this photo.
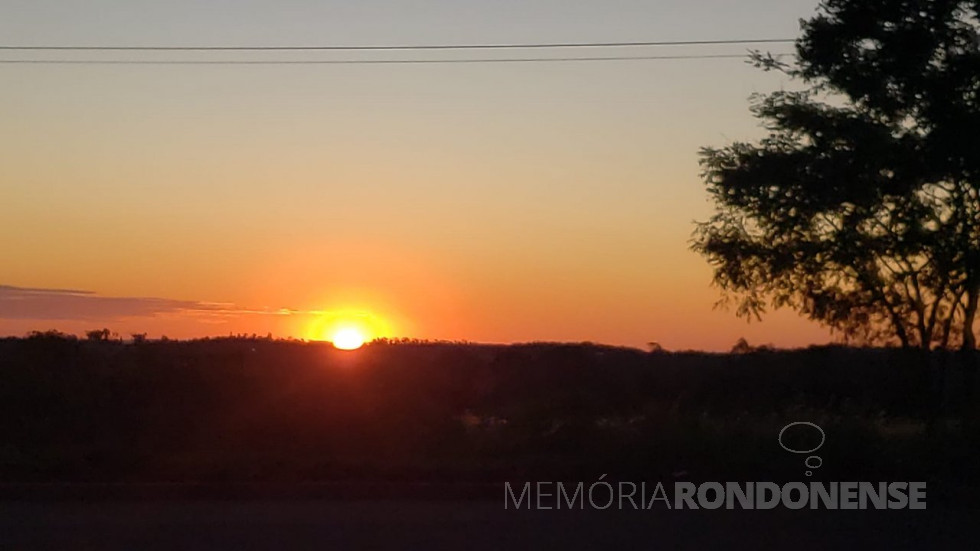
(258, 409)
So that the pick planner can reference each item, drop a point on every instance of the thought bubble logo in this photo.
(812, 462)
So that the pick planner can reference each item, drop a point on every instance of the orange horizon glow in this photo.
(690, 324)
(418, 311)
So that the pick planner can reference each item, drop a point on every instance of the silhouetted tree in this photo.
(51, 334)
(861, 208)
(98, 335)
(742, 346)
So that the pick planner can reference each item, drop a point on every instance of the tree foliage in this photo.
(98, 335)
(861, 207)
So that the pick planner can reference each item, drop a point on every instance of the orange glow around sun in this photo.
(348, 329)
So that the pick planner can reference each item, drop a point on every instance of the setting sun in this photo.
(348, 339)
(347, 329)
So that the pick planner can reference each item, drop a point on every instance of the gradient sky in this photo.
(485, 202)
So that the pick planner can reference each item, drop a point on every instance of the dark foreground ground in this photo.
(459, 524)
(261, 444)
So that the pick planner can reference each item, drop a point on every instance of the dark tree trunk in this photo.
(969, 337)
(968, 352)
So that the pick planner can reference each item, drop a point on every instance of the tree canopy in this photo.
(861, 207)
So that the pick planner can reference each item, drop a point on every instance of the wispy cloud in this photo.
(24, 303)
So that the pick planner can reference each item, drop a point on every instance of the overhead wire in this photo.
(359, 61)
(547, 45)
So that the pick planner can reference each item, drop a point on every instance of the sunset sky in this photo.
(486, 202)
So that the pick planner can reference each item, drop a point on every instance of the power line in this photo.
(358, 61)
(404, 47)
